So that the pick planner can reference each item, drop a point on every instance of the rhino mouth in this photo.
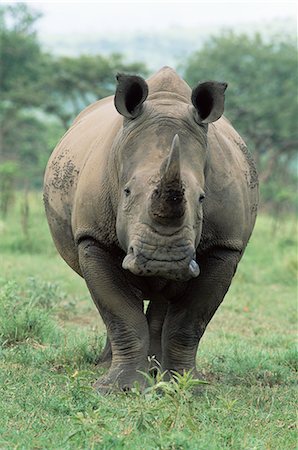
(170, 262)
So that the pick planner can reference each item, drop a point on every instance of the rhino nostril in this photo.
(131, 251)
(202, 197)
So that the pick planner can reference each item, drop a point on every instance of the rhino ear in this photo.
(131, 92)
(208, 99)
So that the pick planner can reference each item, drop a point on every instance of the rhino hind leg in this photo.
(122, 313)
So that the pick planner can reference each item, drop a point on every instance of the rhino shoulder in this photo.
(233, 151)
(94, 205)
(231, 185)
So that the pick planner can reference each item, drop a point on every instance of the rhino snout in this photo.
(178, 267)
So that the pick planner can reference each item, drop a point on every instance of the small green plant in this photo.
(179, 395)
(174, 396)
(88, 422)
(45, 295)
(25, 313)
(78, 389)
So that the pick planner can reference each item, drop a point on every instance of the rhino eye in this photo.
(127, 192)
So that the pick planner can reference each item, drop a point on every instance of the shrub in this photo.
(25, 313)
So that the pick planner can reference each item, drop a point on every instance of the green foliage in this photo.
(25, 141)
(23, 133)
(20, 56)
(74, 83)
(24, 313)
(25, 229)
(8, 175)
(261, 100)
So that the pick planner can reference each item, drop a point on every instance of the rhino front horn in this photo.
(167, 200)
(170, 168)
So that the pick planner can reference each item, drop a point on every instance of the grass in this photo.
(51, 334)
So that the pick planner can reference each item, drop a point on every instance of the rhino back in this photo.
(76, 167)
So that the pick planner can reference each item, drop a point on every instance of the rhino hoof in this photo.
(118, 380)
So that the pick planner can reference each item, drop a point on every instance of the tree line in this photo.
(41, 94)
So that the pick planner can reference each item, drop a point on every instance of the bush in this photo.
(25, 314)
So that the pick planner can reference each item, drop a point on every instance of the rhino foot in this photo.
(119, 379)
(105, 358)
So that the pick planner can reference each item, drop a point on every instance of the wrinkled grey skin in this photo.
(152, 194)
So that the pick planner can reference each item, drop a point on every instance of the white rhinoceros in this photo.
(151, 194)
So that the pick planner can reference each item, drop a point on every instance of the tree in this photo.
(20, 57)
(21, 61)
(262, 97)
(74, 83)
(41, 94)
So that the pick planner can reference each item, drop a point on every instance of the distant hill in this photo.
(169, 47)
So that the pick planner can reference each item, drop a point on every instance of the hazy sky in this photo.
(116, 16)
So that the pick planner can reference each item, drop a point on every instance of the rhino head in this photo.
(162, 156)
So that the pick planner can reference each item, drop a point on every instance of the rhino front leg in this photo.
(188, 316)
(122, 313)
(105, 358)
(156, 313)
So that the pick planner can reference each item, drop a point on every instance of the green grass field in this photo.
(51, 335)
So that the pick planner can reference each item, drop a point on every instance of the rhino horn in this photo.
(170, 167)
(167, 201)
